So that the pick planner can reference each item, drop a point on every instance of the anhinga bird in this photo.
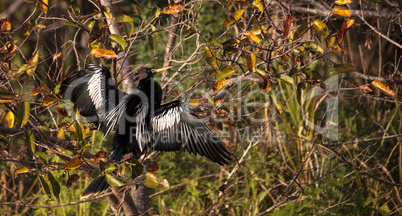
(144, 123)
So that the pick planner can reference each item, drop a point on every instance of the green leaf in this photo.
(156, 11)
(225, 72)
(107, 11)
(109, 168)
(286, 78)
(119, 40)
(45, 186)
(314, 46)
(75, 9)
(67, 23)
(277, 103)
(137, 168)
(22, 114)
(320, 28)
(113, 181)
(123, 18)
(150, 180)
(55, 184)
(215, 42)
(211, 57)
(91, 25)
(42, 156)
(126, 19)
(153, 40)
(102, 165)
(30, 140)
(56, 88)
(96, 174)
(342, 68)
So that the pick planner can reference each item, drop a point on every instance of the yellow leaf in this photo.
(20, 171)
(38, 90)
(330, 41)
(228, 21)
(250, 61)
(219, 85)
(257, 4)
(39, 26)
(342, 2)
(48, 100)
(339, 49)
(320, 28)
(225, 72)
(383, 88)
(73, 163)
(10, 118)
(238, 14)
(173, 8)
(211, 59)
(365, 89)
(32, 63)
(103, 53)
(194, 102)
(60, 134)
(252, 37)
(342, 11)
(56, 55)
(345, 26)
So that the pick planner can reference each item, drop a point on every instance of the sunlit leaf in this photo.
(5, 25)
(277, 103)
(173, 8)
(265, 85)
(75, 9)
(109, 168)
(287, 25)
(342, 2)
(286, 78)
(113, 181)
(238, 14)
(9, 119)
(228, 22)
(48, 100)
(342, 68)
(32, 63)
(320, 27)
(103, 53)
(107, 11)
(73, 163)
(20, 171)
(225, 72)
(252, 37)
(219, 85)
(119, 40)
(194, 102)
(56, 56)
(153, 40)
(341, 10)
(55, 184)
(72, 179)
(43, 5)
(211, 57)
(330, 41)
(257, 4)
(250, 61)
(45, 186)
(22, 114)
(314, 46)
(365, 89)
(339, 49)
(156, 11)
(150, 180)
(60, 134)
(384, 88)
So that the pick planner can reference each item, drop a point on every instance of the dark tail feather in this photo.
(95, 187)
(99, 185)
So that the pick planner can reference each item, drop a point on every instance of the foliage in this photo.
(306, 99)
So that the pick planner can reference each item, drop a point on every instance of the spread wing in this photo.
(175, 127)
(93, 92)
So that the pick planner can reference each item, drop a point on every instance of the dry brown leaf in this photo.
(38, 90)
(287, 25)
(219, 85)
(228, 21)
(5, 25)
(265, 85)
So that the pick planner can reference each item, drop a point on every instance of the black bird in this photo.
(144, 123)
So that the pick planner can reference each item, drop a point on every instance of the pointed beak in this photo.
(162, 69)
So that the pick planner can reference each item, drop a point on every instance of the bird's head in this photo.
(144, 74)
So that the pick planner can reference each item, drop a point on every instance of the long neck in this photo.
(153, 91)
